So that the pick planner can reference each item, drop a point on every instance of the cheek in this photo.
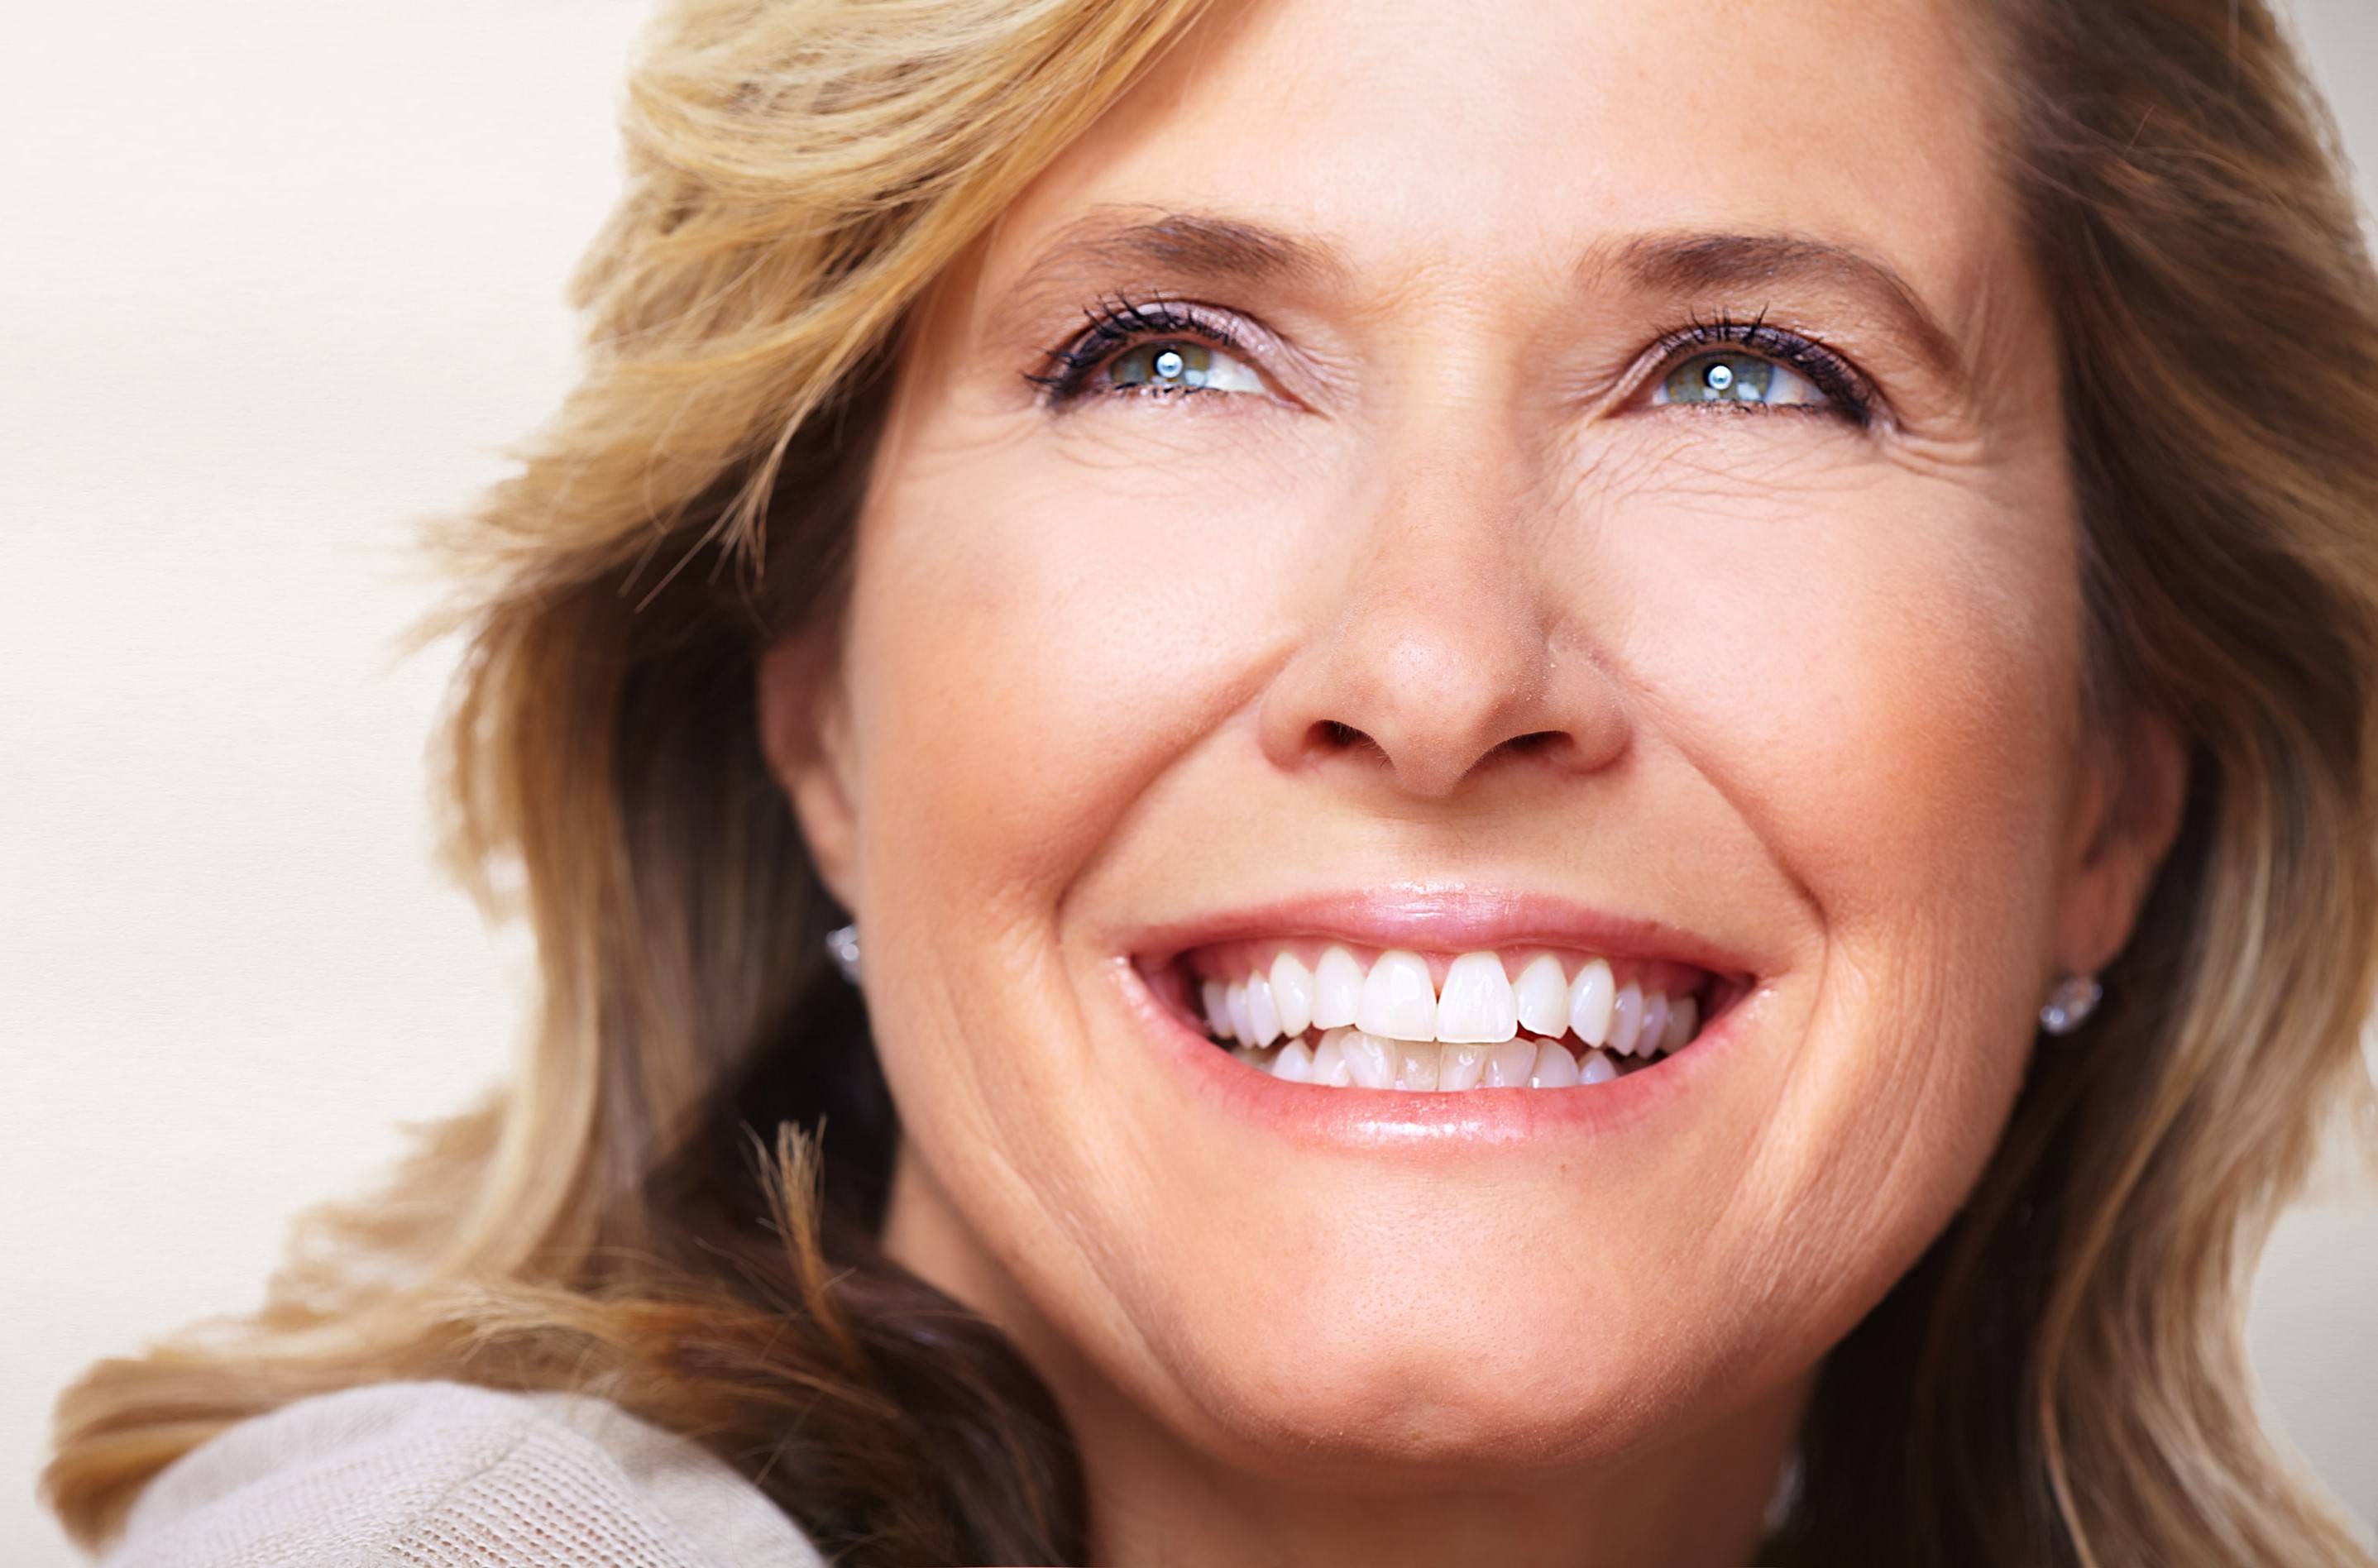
(1884, 684)
(1875, 661)
(1032, 645)
(1880, 677)
(1037, 641)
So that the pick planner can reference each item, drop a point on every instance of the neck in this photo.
(1698, 1500)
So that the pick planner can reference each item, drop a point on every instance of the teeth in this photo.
(1655, 1025)
(1218, 1008)
(1329, 1063)
(1684, 1016)
(1416, 1065)
(1554, 1069)
(1371, 1060)
(1460, 1065)
(1261, 1014)
(1337, 990)
(1350, 1058)
(1625, 1020)
(1509, 1064)
(1541, 996)
(1589, 998)
(1390, 1027)
(1291, 993)
(1476, 1007)
(1398, 1001)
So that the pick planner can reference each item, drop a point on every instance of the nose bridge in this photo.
(1440, 603)
(1439, 651)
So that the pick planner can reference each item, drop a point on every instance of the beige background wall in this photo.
(274, 281)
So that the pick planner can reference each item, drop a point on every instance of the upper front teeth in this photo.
(1398, 1000)
(1478, 1004)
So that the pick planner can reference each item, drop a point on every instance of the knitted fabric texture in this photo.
(444, 1474)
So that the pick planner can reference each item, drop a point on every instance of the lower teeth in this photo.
(1347, 1058)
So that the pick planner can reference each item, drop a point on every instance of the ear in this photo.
(804, 718)
(2132, 791)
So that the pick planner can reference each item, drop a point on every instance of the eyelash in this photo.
(1852, 397)
(1117, 324)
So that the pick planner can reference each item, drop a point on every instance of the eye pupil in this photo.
(1170, 364)
(1719, 378)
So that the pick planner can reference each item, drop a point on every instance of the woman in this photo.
(1600, 774)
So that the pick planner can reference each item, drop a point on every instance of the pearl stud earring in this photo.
(2069, 1004)
(841, 946)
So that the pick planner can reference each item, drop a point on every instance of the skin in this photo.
(1807, 688)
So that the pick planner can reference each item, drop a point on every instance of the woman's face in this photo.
(1561, 480)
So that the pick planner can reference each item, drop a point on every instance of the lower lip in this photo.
(1319, 1117)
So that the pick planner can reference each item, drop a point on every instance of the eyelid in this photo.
(1119, 322)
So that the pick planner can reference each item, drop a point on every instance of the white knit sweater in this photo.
(443, 1475)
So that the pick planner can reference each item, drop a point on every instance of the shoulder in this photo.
(447, 1473)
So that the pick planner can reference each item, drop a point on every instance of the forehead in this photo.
(1422, 138)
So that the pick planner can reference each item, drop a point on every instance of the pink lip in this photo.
(1320, 1118)
(1457, 919)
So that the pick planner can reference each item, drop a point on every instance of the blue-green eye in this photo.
(1731, 375)
(1175, 365)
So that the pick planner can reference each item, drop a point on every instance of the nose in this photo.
(1455, 647)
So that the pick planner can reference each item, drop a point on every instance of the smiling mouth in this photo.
(1312, 1010)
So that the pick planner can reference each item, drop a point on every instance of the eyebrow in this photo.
(1195, 245)
(1680, 263)
(1209, 247)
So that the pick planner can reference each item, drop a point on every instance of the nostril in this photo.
(1340, 736)
(1335, 737)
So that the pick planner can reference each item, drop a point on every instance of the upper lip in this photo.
(1459, 917)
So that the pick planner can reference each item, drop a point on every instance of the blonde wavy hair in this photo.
(2061, 1380)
